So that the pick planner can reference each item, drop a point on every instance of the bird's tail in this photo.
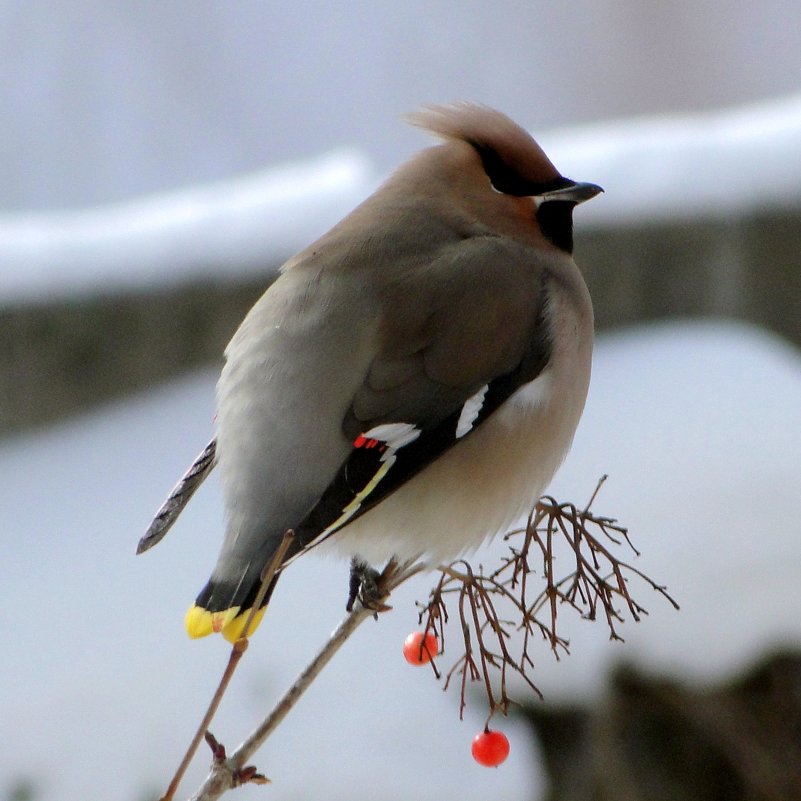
(223, 607)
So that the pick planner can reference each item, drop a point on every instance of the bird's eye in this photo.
(508, 180)
(503, 177)
(555, 218)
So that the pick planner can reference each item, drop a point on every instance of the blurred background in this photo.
(160, 160)
(106, 101)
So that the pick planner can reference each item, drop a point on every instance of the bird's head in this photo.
(498, 170)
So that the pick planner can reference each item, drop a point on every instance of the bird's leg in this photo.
(364, 585)
(356, 569)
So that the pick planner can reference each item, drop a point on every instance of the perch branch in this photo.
(239, 648)
(232, 771)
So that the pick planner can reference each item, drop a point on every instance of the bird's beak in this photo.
(573, 193)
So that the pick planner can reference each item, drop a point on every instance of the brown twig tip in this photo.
(250, 775)
(217, 748)
(524, 595)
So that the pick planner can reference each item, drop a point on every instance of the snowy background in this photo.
(104, 101)
(696, 423)
(100, 688)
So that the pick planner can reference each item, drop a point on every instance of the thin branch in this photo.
(491, 604)
(239, 648)
(491, 607)
(595, 492)
(230, 772)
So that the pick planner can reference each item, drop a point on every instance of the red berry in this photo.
(417, 650)
(490, 748)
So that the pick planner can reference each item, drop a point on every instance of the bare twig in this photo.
(230, 772)
(491, 605)
(239, 648)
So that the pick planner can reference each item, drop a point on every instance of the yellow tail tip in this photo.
(230, 623)
(201, 622)
(234, 628)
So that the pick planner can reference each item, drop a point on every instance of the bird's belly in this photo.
(481, 486)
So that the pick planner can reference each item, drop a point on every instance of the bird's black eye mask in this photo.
(506, 179)
(555, 217)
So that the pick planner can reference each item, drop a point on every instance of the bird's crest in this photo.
(512, 158)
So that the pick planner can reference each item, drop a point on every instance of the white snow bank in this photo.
(710, 164)
(697, 425)
(246, 224)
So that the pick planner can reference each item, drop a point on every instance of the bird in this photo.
(410, 383)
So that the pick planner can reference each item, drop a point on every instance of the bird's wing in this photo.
(446, 361)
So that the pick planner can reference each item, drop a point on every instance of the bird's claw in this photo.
(365, 585)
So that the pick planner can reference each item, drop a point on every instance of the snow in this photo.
(710, 164)
(244, 225)
(102, 102)
(703, 165)
(697, 425)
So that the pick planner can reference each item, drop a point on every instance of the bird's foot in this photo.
(365, 585)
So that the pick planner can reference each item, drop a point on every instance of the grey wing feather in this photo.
(441, 369)
(179, 497)
(479, 325)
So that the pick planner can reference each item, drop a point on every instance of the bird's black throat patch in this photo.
(555, 218)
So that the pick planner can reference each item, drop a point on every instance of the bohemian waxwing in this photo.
(411, 382)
